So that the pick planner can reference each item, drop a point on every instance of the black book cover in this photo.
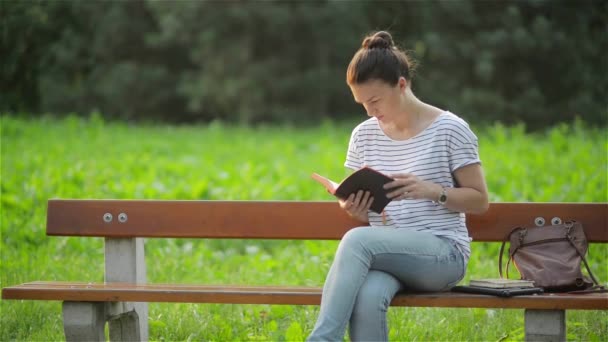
(509, 292)
(366, 179)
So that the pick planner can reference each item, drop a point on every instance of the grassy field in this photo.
(76, 158)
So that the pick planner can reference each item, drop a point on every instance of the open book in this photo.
(501, 283)
(366, 179)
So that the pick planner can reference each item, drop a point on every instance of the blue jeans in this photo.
(371, 265)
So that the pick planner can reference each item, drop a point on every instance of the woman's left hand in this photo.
(408, 186)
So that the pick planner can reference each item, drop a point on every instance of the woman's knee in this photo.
(356, 236)
(353, 243)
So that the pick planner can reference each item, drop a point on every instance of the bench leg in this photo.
(545, 325)
(125, 262)
(84, 321)
(125, 327)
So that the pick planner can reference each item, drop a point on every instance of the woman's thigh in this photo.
(421, 261)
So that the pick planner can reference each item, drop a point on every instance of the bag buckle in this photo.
(569, 226)
(522, 235)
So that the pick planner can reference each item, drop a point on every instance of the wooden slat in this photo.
(501, 218)
(110, 292)
(282, 219)
(202, 219)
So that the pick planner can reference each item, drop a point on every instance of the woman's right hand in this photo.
(357, 206)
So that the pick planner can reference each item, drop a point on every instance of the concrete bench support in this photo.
(84, 321)
(125, 262)
(128, 321)
(545, 325)
(125, 327)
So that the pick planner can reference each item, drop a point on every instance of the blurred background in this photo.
(249, 62)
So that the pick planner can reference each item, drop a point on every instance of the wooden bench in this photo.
(122, 299)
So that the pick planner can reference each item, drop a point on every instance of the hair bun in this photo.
(379, 40)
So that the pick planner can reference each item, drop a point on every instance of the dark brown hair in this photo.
(379, 59)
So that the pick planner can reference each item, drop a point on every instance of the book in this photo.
(508, 292)
(366, 179)
(501, 283)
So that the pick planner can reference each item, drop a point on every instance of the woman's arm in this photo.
(470, 197)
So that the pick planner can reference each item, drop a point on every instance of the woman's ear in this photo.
(403, 83)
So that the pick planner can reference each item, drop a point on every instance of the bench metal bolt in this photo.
(122, 217)
(539, 221)
(107, 217)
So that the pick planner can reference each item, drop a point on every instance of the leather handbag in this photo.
(551, 256)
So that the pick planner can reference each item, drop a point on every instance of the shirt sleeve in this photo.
(462, 146)
(353, 157)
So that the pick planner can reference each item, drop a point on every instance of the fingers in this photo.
(348, 203)
(365, 199)
(358, 204)
(401, 188)
(399, 193)
(412, 188)
(399, 180)
(404, 186)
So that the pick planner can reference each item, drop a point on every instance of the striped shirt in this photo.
(432, 155)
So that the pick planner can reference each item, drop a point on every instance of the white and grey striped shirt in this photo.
(432, 155)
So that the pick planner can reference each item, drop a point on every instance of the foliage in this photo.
(248, 62)
(91, 158)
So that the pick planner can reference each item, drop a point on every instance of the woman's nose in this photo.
(370, 111)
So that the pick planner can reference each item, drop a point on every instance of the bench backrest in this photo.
(281, 219)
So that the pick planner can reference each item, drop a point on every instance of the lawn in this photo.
(89, 158)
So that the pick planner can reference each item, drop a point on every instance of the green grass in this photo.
(76, 158)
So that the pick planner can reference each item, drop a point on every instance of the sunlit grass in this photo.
(76, 158)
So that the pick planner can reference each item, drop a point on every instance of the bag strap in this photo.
(597, 283)
(569, 237)
(502, 248)
(597, 287)
(511, 257)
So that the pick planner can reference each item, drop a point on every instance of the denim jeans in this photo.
(371, 265)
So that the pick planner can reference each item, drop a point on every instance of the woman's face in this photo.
(379, 99)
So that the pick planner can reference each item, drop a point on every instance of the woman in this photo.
(420, 242)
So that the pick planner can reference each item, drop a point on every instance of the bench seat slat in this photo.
(293, 295)
(282, 219)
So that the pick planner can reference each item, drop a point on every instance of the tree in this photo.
(536, 62)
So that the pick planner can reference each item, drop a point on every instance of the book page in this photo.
(501, 282)
(327, 183)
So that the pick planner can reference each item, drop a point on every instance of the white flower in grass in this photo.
(187, 247)
(252, 249)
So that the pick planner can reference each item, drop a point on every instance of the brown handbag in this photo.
(550, 256)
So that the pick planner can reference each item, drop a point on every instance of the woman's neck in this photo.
(414, 117)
